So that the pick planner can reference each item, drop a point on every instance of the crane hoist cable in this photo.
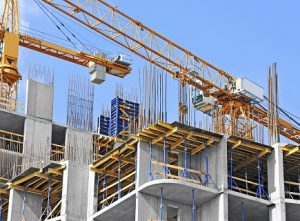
(42, 7)
(64, 26)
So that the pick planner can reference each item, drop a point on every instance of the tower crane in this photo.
(11, 39)
(236, 111)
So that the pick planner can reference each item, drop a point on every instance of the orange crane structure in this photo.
(235, 112)
(11, 39)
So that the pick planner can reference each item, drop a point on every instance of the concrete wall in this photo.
(39, 100)
(276, 184)
(37, 141)
(79, 146)
(29, 209)
(143, 162)
(74, 192)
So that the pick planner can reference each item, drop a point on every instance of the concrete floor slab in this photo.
(179, 191)
(254, 208)
(121, 210)
(292, 210)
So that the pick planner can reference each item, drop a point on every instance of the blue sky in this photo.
(241, 37)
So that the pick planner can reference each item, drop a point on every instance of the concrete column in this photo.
(148, 208)
(92, 201)
(37, 141)
(217, 208)
(29, 208)
(143, 162)
(79, 146)
(217, 165)
(39, 100)
(38, 123)
(214, 210)
(276, 184)
(74, 192)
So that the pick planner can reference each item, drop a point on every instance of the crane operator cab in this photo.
(202, 101)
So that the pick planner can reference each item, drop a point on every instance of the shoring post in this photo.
(104, 192)
(165, 158)
(1, 208)
(231, 170)
(299, 182)
(194, 207)
(150, 163)
(258, 175)
(246, 178)
(243, 212)
(161, 204)
(23, 205)
(119, 179)
(48, 197)
(206, 167)
(185, 160)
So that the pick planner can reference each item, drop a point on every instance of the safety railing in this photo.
(115, 190)
(57, 152)
(11, 141)
(248, 187)
(169, 171)
(292, 189)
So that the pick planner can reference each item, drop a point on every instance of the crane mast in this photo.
(235, 114)
(9, 75)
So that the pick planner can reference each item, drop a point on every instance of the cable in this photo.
(38, 4)
(63, 25)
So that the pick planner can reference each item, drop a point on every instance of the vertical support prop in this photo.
(48, 198)
(243, 212)
(206, 167)
(23, 205)
(150, 163)
(119, 179)
(231, 170)
(194, 207)
(165, 159)
(185, 160)
(161, 205)
(259, 178)
(104, 192)
(1, 203)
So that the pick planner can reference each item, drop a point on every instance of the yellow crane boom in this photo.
(11, 39)
(235, 111)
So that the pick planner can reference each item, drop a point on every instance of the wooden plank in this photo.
(251, 159)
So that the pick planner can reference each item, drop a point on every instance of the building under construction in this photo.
(135, 164)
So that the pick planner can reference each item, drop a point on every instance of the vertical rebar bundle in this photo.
(41, 74)
(273, 112)
(80, 103)
(153, 95)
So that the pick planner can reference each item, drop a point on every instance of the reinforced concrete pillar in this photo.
(38, 124)
(79, 146)
(277, 211)
(92, 201)
(217, 208)
(144, 170)
(74, 191)
(24, 206)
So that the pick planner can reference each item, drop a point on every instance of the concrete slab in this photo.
(292, 209)
(123, 209)
(255, 208)
(179, 191)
